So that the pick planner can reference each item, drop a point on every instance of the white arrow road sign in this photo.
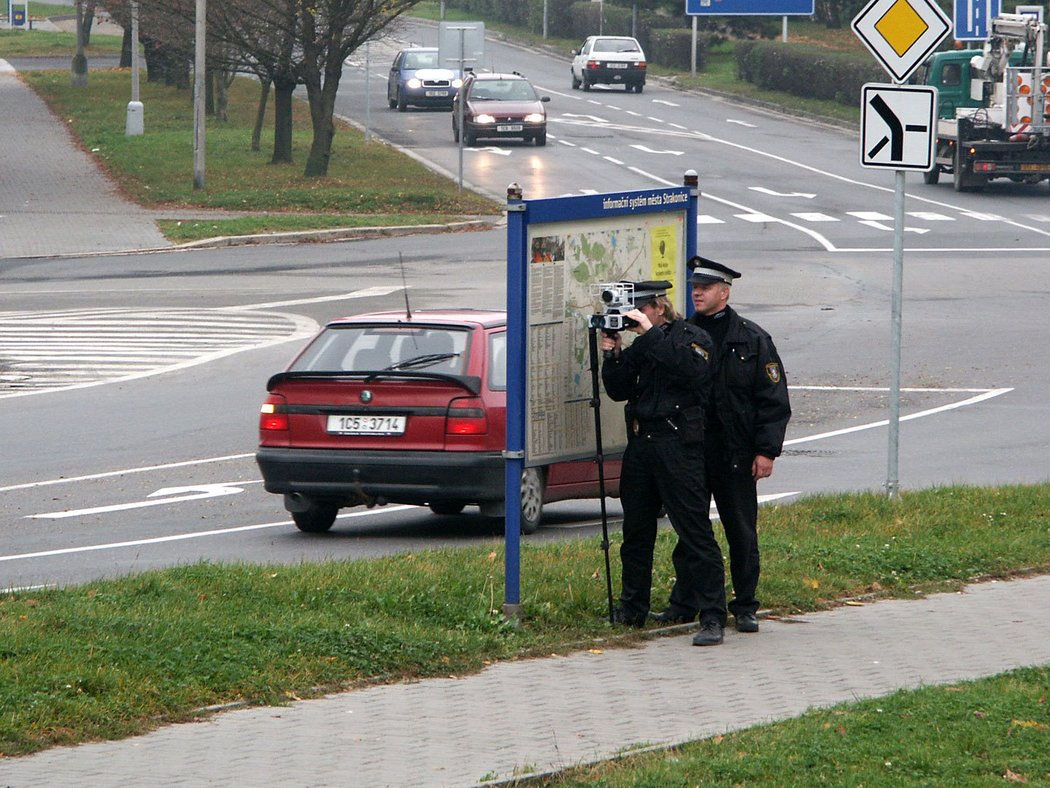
(162, 497)
(897, 126)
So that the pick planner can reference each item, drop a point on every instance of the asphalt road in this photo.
(126, 472)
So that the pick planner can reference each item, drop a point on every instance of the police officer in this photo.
(745, 423)
(665, 377)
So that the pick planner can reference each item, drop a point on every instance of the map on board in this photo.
(568, 263)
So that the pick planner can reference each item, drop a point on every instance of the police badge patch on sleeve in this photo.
(773, 371)
(699, 350)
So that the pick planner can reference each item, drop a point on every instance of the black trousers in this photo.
(736, 497)
(661, 472)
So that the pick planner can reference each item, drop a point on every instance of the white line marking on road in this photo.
(888, 228)
(612, 160)
(772, 193)
(870, 216)
(644, 149)
(756, 218)
(815, 217)
(706, 219)
(127, 471)
(183, 537)
(666, 103)
(741, 123)
(930, 216)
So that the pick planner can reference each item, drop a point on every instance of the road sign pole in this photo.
(892, 481)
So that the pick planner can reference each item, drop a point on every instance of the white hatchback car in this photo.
(609, 60)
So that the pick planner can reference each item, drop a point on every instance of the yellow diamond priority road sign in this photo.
(901, 33)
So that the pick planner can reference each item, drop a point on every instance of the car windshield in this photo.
(377, 348)
(616, 45)
(503, 90)
(421, 60)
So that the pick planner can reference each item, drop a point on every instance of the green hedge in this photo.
(807, 71)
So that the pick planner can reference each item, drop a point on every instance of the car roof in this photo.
(499, 76)
(420, 49)
(487, 318)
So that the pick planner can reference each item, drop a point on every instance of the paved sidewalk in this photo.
(539, 715)
(53, 200)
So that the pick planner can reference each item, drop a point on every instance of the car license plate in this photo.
(366, 425)
(509, 127)
(436, 93)
(1035, 168)
(616, 65)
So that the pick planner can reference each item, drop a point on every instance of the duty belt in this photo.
(652, 427)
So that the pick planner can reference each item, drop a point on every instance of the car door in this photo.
(579, 63)
(395, 77)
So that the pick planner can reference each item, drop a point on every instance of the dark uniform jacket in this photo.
(750, 408)
(663, 372)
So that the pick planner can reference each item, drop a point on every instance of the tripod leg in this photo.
(592, 341)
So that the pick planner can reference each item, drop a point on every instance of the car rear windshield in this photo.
(372, 348)
(616, 45)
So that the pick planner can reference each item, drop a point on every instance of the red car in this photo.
(388, 408)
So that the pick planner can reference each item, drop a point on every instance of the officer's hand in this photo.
(639, 317)
(761, 467)
(611, 343)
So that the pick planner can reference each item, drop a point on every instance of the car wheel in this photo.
(541, 139)
(531, 499)
(391, 102)
(447, 507)
(317, 519)
(932, 176)
(469, 139)
(455, 132)
(402, 103)
(638, 88)
(586, 83)
(575, 82)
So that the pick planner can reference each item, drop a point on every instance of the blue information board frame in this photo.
(972, 20)
(750, 7)
(520, 214)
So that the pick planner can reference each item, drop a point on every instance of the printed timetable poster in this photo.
(568, 264)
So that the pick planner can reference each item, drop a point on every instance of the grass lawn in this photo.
(113, 658)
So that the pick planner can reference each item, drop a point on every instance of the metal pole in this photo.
(133, 126)
(692, 51)
(198, 95)
(601, 15)
(545, 20)
(368, 92)
(892, 481)
(784, 30)
(459, 104)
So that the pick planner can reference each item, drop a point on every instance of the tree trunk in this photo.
(322, 116)
(282, 122)
(125, 49)
(260, 115)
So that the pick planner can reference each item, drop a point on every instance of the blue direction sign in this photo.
(973, 18)
(749, 7)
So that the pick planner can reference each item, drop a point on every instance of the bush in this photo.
(807, 71)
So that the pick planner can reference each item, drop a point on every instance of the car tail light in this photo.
(273, 415)
(594, 64)
(984, 166)
(640, 64)
(466, 416)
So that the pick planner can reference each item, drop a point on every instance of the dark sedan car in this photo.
(500, 106)
(390, 408)
(417, 79)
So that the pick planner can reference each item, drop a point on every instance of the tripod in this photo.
(592, 342)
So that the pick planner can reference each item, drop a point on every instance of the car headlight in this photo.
(535, 117)
(457, 83)
(414, 83)
(484, 119)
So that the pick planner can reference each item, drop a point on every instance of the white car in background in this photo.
(609, 60)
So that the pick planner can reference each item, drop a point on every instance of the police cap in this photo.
(706, 271)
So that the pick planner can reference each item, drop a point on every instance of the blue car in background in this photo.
(418, 80)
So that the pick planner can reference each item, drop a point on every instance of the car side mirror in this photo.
(574, 52)
(545, 98)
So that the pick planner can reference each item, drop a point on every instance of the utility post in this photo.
(133, 123)
(80, 65)
(198, 95)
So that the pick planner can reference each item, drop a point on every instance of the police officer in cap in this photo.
(664, 375)
(746, 422)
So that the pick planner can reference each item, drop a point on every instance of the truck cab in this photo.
(953, 74)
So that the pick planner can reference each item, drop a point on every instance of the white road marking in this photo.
(772, 193)
(888, 228)
(183, 537)
(706, 219)
(930, 216)
(815, 217)
(870, 216)
(665, 102)
(741, 123)
(644, 149)
(163, 497)
(756, 218)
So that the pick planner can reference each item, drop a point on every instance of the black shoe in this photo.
(628, 618)
(672, 616)
(710, 634)
(746, 622)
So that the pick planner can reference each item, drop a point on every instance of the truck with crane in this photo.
(993, 107)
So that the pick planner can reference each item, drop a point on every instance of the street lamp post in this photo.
(80, 65)
(198, 95)
(133, 123)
